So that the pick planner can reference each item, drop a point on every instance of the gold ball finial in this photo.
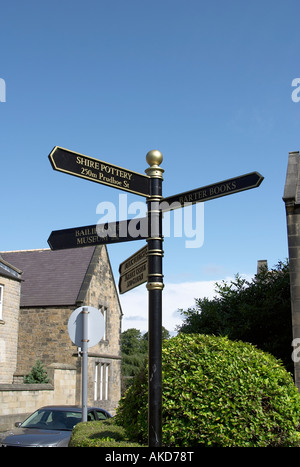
(154, 158)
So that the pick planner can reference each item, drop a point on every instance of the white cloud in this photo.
(175, 296)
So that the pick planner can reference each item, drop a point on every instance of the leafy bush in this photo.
(103, 433)
(217, 392)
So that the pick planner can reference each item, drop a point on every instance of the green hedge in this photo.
(217, 392)
(103, 433)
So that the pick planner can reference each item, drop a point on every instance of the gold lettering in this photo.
(141, 269)
(85, 232)
(105, 169)
(87, 240)
(113, 171)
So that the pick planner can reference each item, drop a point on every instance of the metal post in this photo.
(155, 286)
(84, 374)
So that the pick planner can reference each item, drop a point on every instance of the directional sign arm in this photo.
(216, 190)
(95, 170)
(100, 234)
(134, 277)
(134, 270)
(137, 258)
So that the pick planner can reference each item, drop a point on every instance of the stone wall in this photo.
(291, 199)
(293, 227)
(17, 401)
(9, 329)
(43, 335)
(101, 294)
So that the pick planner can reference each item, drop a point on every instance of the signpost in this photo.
(77, 164)
(100, 234)
(146, 264)
(155, 286)
(134, 271)
(136, 276)
(134, 260)
(216, 190)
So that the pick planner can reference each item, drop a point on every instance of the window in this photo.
(103, 310)
(101, 415)
(1, 299)
(101, 381)
(91, 417)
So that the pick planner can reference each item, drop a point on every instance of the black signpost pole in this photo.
(155, 286)
(149, 186)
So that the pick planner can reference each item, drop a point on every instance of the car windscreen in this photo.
(47, 419)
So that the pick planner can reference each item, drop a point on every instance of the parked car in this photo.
(49, 426)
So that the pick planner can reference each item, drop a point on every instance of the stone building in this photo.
(54, 283)
(291, 199)
(10, 285)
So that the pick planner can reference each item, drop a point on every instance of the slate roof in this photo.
(51, 278)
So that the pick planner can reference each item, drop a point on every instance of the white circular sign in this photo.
(95, 326)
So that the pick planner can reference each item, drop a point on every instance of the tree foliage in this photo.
(134, 348)
(132, 342)
(217, 392)
(258, 312)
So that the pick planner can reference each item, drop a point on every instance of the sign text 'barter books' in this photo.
(216, 190)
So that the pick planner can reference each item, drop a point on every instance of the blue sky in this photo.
(206, 83)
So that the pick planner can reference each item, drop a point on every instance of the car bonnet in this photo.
(33, 437)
